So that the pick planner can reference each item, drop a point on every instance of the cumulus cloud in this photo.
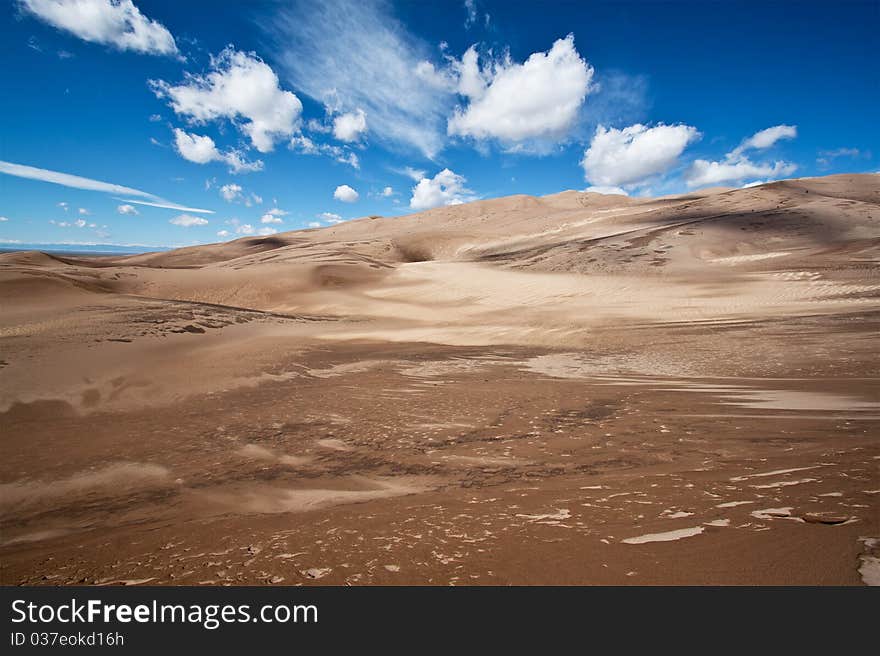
(736, 166)
(314, 224)
(445, 188)
(187, 220)
(130, 210)
(3, 219)
(387, 191)
(265, 232)
(195, 148)
(241, 88)
(355, 53)
(83, 211)
(223, 233)
(511, 102)
(201, 149)
(116, 23)
(704, 173)
(230, 192)
(330, 217)
(78, 182)
(273, 216)
(346, 194)
(600, 189)
(350, 126)
(630, 156)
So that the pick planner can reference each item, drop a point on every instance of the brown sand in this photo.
(569, 389)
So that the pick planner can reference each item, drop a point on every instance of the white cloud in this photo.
(351, 159)
(632, 155)
(117, 23)
(303, 144)
(306, 146)
(64, 206)
(704, 173)
(768, 137)
(736, 167)
(3, 219)
(78, 182)
(314, 224)
(237, 164)
(131, 210)
(79, 223)
(83, 211)
(607, 190)
(387, 191)
(470, 7)
(841, 152)
(187, 220)
(350, 126)
(511, 102)
(826, 157)
(265, 232)
(346, 194)
(67, 180)
(167, 205)
(330, 217)
(273, 215)
(445, 188)
(242, 88)
(201, 149)
(245, 229)
(223, 233)
(411, 173)
(230, 192)
(357, 55)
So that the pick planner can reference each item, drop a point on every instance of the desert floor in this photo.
(573, 389)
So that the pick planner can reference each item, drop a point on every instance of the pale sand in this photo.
(495, 392)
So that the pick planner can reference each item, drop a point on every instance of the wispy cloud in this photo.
(356, 56)
(79, 182)
(167, 205)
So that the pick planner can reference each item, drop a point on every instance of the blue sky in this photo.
(173, 123)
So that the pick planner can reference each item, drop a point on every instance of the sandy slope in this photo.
(518, 352)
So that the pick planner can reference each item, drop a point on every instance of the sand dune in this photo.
(452, 375)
